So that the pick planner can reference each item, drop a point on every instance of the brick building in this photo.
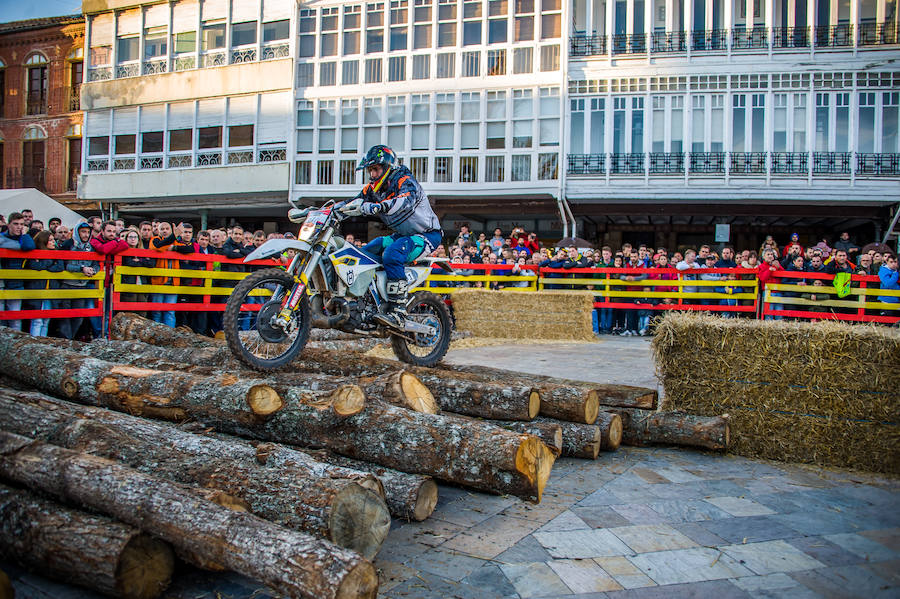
(41, 66)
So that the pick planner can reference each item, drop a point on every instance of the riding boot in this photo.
(395, 309)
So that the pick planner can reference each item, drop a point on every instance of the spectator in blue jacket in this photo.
(14, 238)
(889, 281)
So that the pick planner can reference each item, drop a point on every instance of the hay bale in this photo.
(819, 392)
(538, 315)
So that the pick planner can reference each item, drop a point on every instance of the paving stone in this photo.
(676, 491)
(445, 563)
(868, 493)
(739, 507)
(431, 532)
(567, 520)
(889, 537)
(816, 522)
(401, 551)
(749, 529)
(600, 497)
(491, 578)
(768, 557)
(460, 513)
(756, 486)
(830, 499)
(691, 510)
(720, 488)
(715, 589)
(650, 476)
(582, 544)
(863, 547)
(783, 503)
(448, 494)
(391, 574)
(767, 582)
(549, 508)
(624, 572)
(639, 513)
(600, 516)
(846, 581)
(825, 551)
(584, 576)
(695, 564)
(426, 585)
(490, 538)
(890, 571)
(525, 551)
(678, 475)
(699, 535)
(535, 580)
(652, 537)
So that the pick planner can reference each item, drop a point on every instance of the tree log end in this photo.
(556, 448)
(145, 568)
(264, 400)
(727, 436)
(359, 520)
(347, 400)
(360, 583)
(591, 406)
(613, 438)
(535, 460)
(69, 387)
(426, 500)
(534, 403)
(416, 395)
(235, 504)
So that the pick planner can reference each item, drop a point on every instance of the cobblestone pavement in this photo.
(640, 523)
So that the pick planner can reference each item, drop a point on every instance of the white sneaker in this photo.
(644, 332)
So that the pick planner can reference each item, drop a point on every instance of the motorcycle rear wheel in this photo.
(429, 309)
(260, 346)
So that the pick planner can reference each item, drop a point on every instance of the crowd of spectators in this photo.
(519, 255)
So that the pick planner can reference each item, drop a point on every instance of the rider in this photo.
(394, 195)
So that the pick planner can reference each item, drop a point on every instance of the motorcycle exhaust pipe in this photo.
(321, 321)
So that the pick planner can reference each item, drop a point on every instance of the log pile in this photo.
(302, 467)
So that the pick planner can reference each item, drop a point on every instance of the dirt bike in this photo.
(328, 283)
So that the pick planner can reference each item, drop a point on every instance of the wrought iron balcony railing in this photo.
(662, 42)
(832, 163)
(834, 36)
(878, 165)
(707, 163)
(750, 39)
(877, 34)
(586, 164)
(626, 164)
(587, 45)
(709, 40)
(629, 43)
(790, 163)
(663, 163)
(747, 163)
(790, 37)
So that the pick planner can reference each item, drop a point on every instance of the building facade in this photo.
(187, 107)
(649, 120)
(41, 66)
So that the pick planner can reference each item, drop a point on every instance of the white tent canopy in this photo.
(43, 206)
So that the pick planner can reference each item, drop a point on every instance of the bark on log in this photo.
(408, 496)
(291, 562)
(278, 484)
(477, 455)
(626, 396)
(337, 335)
(454, 392)
(357, 346)
(128, 325)
(551, 433)
(78, 548)
(643, 427)
(569, 403)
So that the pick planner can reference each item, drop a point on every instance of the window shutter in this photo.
(242, 110)
(244, 10)
(129, 23)
(181, 115)
(274, 117)
(125, 121)
(276, 10)
(214, 9)
(211, 113)
(101, 30)
(184, 16)
(157, 15)
(153, 117)
(97, 123)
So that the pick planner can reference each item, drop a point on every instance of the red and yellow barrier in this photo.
(784, 296)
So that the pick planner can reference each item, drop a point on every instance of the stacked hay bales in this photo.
(823, 392)
(540, 315)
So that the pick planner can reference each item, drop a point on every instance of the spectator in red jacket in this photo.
(532, 243)
(765, 270)
(107, 240)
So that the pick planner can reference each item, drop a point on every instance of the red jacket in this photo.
(108, 248)
(764, 274)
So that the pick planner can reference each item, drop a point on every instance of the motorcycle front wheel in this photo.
(249, 331)
(426, 350)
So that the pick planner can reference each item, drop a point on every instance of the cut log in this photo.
(643, 427)
(579, 440)
(453, 392)
(356, 346)
(401, 388)
(337, 335)
(551, 433)
(610, 430)
(78, 548)
(408, 496)
(625, 396)
(569, 403)
(286, 486)
(127, 325)
(293, 563)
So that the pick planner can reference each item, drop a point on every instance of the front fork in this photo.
(301, 282)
